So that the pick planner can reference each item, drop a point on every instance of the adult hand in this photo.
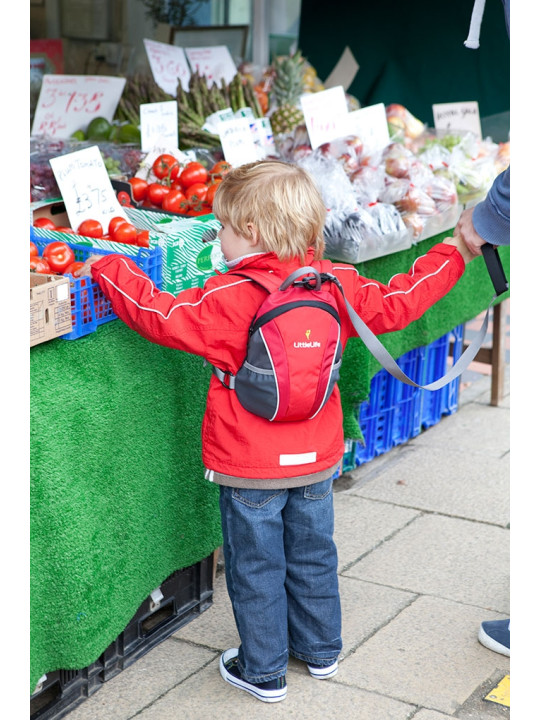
(470, 237)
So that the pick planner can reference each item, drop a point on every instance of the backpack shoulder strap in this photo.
(268, 280)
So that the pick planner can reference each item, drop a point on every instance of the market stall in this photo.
(119, 504)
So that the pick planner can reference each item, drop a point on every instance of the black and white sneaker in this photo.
(271, 691)
(323, 673)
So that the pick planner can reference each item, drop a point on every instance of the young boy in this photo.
(275, 477)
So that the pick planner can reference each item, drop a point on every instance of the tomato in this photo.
(44, 222)
(59, 255)
(199, 209)
(193, 173)
(166, 167)
(114, 223)
(143, 238)
(63, 229)
(74, 268)
(196, 193)
(124, 199)
(90, 228)
(139, 188)
(175, 201)
(34, 252)
(156, 193)
(212, 191)
(125, 233)
(40, 265)
(221, 168)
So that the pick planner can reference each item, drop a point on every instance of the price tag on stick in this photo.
(86, 188)
(68, 102)
(159, 125)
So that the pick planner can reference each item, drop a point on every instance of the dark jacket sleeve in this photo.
(491, 217)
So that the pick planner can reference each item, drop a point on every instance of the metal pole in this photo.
(259, 43)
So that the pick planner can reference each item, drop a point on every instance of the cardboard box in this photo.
(50, 307)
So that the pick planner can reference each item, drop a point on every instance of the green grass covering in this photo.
(118, 497)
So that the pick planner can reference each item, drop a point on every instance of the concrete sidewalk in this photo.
(423, 540)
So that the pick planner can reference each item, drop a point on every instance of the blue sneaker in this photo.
(271, 691)
(323, 673)
(495, 635)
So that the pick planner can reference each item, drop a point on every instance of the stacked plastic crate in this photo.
(396, 412)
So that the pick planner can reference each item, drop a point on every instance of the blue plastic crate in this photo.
(90, 307)
(441, 402)
(396, 412)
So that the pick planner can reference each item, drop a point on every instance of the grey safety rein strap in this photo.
(374, 345)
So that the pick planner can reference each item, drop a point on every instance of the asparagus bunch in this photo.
(194, 104)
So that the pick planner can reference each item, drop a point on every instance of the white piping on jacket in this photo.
(401, 292)
(175, 307)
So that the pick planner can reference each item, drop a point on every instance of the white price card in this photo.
(322, 112)
(369, 124)
(168, 64)
(159, 125)
(263, 137)
(237, 141)
(214, 63)
(458, 117)
(86, 188)
(68, 102)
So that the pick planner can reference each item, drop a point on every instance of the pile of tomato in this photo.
(58, 256)
(182, 189)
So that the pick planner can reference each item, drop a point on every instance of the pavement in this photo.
(423, 543)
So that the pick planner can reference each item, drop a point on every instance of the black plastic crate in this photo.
(183, 595)
(179, 598)
(61, 691)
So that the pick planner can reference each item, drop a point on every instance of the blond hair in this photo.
(281, 200)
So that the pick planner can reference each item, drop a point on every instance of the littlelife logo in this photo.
(309, 344)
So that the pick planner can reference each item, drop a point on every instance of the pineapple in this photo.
(287, 87)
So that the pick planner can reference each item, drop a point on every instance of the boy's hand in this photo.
(85, 271)
(457, 241)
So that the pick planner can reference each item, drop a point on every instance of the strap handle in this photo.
(377, 349)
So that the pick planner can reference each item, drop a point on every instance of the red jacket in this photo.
(213, 322)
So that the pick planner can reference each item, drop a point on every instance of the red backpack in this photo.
(293, 351)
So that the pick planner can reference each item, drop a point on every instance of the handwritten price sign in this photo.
(85, 187)
(68, 102)
(159, 125)
(322, 112)
(458, 117)
(168, 64)
(369, 124)
(212, 62)
(237, 141)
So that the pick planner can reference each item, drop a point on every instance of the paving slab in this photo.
(475, 428)
(444, 480)
(205, 696)
(361, 525)
(214, 628)
(432, 715)
(366, 607)
(428, 656)
(452, 558)
(139, 685)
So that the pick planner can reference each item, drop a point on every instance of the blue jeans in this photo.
(281, 572)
